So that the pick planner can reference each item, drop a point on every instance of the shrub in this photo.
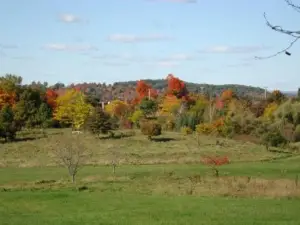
(215, 162)
(150, 129)
(273, 138)
(205, 128)
(186, 130)
(228, 130)
(170, 125)
(297, 134)
(136, 117)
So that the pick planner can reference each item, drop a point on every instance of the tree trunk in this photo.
(73, 178)
(114, 169)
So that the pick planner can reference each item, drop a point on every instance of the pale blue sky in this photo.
(209, 41)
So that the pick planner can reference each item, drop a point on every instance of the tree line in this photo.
(175, 108)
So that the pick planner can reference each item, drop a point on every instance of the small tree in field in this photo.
(215, 162)
(100, 122)
(151, 129)
(70, 152)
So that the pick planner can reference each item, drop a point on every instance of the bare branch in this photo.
(281, 30)
(294, 34)
(285, 50)
(295, 7)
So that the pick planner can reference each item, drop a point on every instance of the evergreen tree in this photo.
(8, 127)
(100, 122)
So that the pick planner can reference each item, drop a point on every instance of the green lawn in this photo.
(160, 182)
(68, 208)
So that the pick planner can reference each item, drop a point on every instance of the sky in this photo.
(200, 41)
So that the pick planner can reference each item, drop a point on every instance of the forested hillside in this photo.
(126, 90)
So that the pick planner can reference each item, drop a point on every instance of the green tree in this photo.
(8, 127)
(27, 108)
(10, 82)
(148, 107)
(43, 116)
(100, 122)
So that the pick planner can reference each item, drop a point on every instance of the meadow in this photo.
(162, 181)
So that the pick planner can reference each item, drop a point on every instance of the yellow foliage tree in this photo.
(270, 110)
(72, 108)
(170, 104)
(117, 108)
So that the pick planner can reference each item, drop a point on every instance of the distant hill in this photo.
(240, 90)
(126, 90)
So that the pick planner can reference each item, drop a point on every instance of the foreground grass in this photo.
(159, 182)
(71, 208)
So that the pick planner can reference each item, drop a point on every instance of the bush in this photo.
(136, 117)
(205, 128)
(273, 138)
(228, 130)
(150, 129)
(297, 134)
(186, 130)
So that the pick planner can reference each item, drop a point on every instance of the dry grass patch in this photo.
(170, 148)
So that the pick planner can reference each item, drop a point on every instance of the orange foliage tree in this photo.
(7, 97)
(176, 87)
(51, 97)
(227, 95)
(142, 89)
(170, 104)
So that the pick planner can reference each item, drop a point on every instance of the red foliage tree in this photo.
(219, 103)
(51, 97)
(176, 87)
(142, 89)
(215, 162)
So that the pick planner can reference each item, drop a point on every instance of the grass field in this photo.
(158, 182)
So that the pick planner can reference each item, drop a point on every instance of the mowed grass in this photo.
(159, 182)
(107, 208)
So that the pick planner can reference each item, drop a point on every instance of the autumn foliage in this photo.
(227, 95)
(216, 161)
(143, 89)
(176, 87)
(51, 97)
(7, 98)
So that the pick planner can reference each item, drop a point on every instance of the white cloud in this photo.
(69, 18)
(130, 38)
(73, 48)
(234, 49)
